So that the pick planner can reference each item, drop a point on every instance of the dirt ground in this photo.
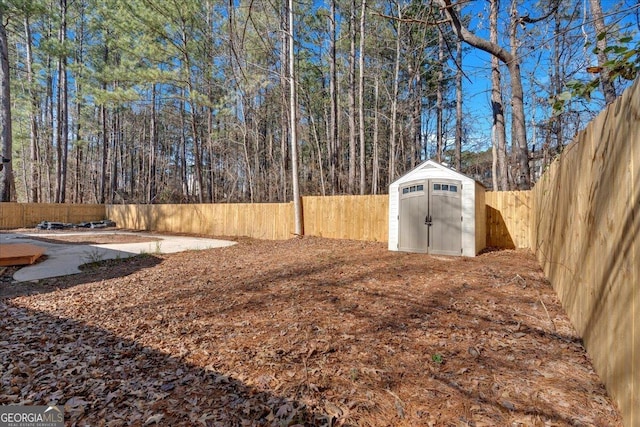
(83, 236)
(301, 332)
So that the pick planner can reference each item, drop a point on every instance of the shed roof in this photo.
(432, 163)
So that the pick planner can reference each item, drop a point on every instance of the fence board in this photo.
(634, 282)
(343, 217)
(260, 220)
(586, 235)
(11, 215)
(508, 219)
(27, 215)
(347, 217)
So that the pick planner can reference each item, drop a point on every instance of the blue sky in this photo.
(477, 63)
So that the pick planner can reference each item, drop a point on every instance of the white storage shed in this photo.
(437, 210)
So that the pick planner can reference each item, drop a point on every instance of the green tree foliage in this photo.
(623, 65)
(189, 101)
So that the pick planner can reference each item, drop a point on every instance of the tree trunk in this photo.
(105, 151)
(361, 123)
(439, 97)
(415, 97)
(184, 174)
(352, 99)
(115, 149)
(47, 131)
(197, 153)
(375, 167)
(103, 129)
(78, 195)
(297, 203)
(601, 44)
(394, 101)
(63, 111)
(498, 130)
(333, 94)
(33, 116)
(316, 139)
(284, 139)
(79, 179)
(522, 178)
(458, 136)
(153, 143)
(6, 183)
(557, 125)
(517, 102)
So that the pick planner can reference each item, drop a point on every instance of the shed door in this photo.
(413, 235)
(430, 217)
(445, 210)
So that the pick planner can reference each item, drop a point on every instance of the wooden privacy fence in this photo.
(271, 221)
(347, 217)
(19, 215)
(340, 217)
(343, 217)
(508, 219)
(585, 232)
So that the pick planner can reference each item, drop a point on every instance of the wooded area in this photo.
(150, 101)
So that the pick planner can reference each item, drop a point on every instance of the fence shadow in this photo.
(498, 235)
(103, 270)
(101, 378)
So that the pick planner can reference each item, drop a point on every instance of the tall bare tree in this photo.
(351, 91)
(333, 99)
(293, 114)
(517, 92)
(394, 98)
(33, 112)
(498, 129)
(6, 183)
(375, 173)
(62, 127)
(361, 123)
(459, 116)
(440, 99)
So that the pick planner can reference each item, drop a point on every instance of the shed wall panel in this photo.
(480, 218)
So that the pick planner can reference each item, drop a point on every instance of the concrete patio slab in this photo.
(65, 259)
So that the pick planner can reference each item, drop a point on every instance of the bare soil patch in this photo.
(82, 236)
(96, 239)
(303, 332)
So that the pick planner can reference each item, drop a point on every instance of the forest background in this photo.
(164, 101)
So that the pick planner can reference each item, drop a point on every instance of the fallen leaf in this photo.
(508, 405)
(333, 410)
(153, 419)
(284, 410)
(167, 387)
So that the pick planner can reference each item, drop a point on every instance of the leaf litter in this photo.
(301, 332)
